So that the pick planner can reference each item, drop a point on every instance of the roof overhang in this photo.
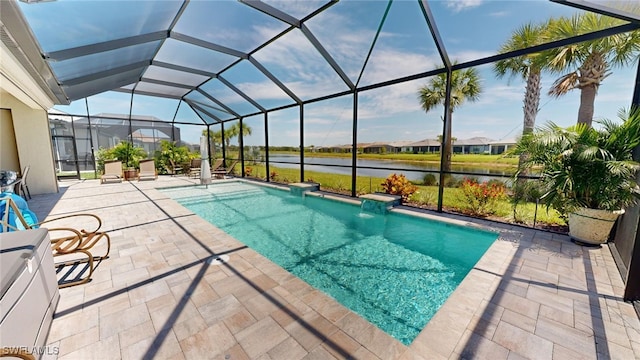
(25, 74)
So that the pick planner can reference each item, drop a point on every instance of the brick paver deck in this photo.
(533, 295)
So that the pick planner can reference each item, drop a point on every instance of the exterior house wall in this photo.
(33, 143)
(25, 103)
(8, 148)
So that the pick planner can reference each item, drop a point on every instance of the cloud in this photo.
(265, 90)
(499, 14)
(326, 138)
(394, 100)
(388, 63)
(459, 5)
(501, 94)
(304, 71)
(300, 66)
(468, 55)
(298, 9)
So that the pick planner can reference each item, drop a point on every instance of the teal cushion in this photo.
(29, 216)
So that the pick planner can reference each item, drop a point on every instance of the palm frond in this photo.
(465, 85)
(564, 84)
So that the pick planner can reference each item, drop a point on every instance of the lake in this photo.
(367, 167)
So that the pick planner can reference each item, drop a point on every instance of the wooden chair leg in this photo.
(90, 239)
(79, 281)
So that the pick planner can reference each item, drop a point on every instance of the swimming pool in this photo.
(394, 270)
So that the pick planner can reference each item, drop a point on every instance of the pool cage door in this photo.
(65, 157)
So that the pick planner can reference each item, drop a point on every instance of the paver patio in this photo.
(533, 295)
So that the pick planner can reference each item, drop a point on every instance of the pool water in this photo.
(394, 270)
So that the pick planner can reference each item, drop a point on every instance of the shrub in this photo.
(126, 152)
(429, 180)
(481, 198)
(451, 182)
(425, 198)
(170, 151)
(496, 182)
(523, 191)
(399, 185)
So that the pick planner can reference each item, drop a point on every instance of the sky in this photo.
(470, 29)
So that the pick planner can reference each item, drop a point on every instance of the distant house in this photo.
(104, 131)
(475, 145)
(401, 146)
(334, 149)
(500, 147)
(375, 148)
(426, 146)
(393, 147)
(148, 138)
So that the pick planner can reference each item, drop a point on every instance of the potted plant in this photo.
(126, 152)
(586, 173)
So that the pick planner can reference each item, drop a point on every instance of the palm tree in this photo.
(215, 138)
(229, 133)
(234, 131)
(465, 85)
(528, 67)
(590, 62)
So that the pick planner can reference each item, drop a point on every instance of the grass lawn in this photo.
(85, 175)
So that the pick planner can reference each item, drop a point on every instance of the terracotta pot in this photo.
(592, 226)
(130, 174)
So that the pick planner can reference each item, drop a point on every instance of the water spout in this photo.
(378, 203)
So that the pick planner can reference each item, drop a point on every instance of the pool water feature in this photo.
(394, 270)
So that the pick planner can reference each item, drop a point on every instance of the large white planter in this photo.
(592, 226)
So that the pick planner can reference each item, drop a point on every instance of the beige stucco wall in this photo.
(8, 148)
(33, 142)
(26, 105)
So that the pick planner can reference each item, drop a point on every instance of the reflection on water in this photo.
(412, 170)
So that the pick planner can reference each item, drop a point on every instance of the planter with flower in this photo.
(127, 153)
(587, 174)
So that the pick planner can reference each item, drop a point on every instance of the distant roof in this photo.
(426, 142)
(504, 141)
(473, 141)
(401, 143)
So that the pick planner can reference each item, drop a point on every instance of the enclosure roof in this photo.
(231, 59)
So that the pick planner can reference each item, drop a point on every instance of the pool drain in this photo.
(218, 260)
